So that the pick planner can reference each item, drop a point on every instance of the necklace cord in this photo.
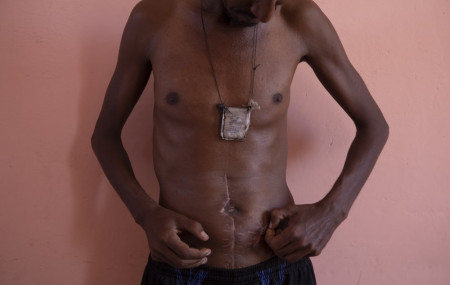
(253, 69)
(209, 55)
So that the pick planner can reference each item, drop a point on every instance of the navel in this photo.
(277, 98)
(172, 98)
(231, 209)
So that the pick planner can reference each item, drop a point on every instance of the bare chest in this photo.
(189, 74)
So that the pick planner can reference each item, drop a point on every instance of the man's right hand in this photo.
(163, 228)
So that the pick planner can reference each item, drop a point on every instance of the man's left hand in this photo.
(300, 230)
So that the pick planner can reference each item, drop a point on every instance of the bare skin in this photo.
(226, 203)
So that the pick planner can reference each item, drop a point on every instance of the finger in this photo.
(190, 263)
(196, 264)
(155, 256)
(269, 235)
(160, 257)
(194, 228)
(169, 257)
(279, 218)
(278, 241)
(315, 252)
(276, 216)
(293, 247)
(182, 250)
(320, 246)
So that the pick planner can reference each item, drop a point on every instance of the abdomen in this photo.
(233, 211)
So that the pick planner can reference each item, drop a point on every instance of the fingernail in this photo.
(270, 225)
(208, 252)
(204, 260)
(205, 235)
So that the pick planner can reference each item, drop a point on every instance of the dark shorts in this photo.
(273, 271)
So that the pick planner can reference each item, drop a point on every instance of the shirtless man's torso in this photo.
(226, 203)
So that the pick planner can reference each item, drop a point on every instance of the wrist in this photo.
(145, 211)
(335, 209)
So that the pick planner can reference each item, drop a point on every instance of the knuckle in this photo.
(309, 246)
(316, 252)
(296, 234)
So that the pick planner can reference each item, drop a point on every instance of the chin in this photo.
(240, 20)
(243, 23)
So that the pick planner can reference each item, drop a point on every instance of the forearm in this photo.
(117, 167)
(361, 158)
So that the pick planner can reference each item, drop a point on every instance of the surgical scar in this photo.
(277, 98)
(172, 98)
(231, 209)
(242, 231)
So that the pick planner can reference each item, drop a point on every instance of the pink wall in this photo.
(61, 223)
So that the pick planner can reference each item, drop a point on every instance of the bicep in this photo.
(327, 58)
(128, 81)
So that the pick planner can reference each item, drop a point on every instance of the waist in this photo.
(273, 270)
(234, 213)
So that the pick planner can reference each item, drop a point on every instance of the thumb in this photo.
(270, 234)
(194, 228)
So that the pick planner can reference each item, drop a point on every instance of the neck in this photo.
(209, 6)
(262, 10)
(212, 6)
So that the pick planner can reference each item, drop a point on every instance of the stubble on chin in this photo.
(236, 21)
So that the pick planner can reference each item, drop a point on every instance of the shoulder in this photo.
(151, 13)
(311, 25)
(144, 22)
(304, 16)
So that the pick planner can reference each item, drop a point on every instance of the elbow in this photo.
(382, 130)
(95, 141)
(103, 138)
(385, 131)
(98, 140)
(378, 130)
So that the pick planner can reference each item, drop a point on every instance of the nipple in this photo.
(172, 98)
(277, 98)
